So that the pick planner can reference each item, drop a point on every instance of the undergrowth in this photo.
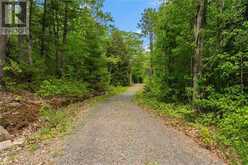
(57, 87)
(54, 123)
(229, 133)
(114, 90)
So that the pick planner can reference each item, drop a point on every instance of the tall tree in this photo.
(44, 26)
(65, 33)
(30, 36)
(200, 21)
(146, 25)
(134, 48)
(117, 54)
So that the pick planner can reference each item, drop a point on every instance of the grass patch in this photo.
(33, 147)
(116, 90)
(211, 131)
(54, 123)
(152, 163)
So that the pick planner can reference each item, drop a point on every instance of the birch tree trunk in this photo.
(199, 39)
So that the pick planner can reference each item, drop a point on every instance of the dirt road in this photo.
(117, 132)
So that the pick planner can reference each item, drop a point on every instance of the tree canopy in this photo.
(71, 40)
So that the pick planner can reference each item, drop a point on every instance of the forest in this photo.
(196, 68)
(72, 53)
(70, 40)
(199, 65)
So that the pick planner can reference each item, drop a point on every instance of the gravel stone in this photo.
(117, 132)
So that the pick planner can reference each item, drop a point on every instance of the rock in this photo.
(36, 102)
(5, 145)
(9, 144)
(19, 141)
(4, 135)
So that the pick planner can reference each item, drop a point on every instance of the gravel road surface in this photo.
(117, 132)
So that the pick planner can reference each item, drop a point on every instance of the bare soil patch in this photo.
(19, 111)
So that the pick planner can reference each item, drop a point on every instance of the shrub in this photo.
(224, 112)
(57, 87)
(55, 122)
(206, 136)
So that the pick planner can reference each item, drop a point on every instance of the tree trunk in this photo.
(242, 73)
(130, 78)
(43, 33)
(151, 36)
(56, 43)
(21, 47)
(246, 10)
(130, 75)
(199, 38)
(221, 5)
(65, 31)
(3, 48)
(30, 37)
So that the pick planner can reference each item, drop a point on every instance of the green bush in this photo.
(53, 118)
(233, 130)
(55, 122)
(228, 100)
(206, 135)
(19, 76)
(225, 113)
(61, 87)
(235, 124)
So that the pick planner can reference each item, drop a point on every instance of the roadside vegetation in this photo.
(199, 68)
(72, 53)
(211, 133)
(59, 122)
(196, 68)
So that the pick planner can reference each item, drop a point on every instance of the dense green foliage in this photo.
(72, 49)
(63, 87)
(223, 84)
(231, 132)
(124, 53)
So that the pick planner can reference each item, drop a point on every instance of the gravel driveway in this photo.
(117, 132)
